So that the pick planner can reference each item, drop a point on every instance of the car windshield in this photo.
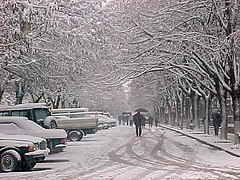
(41, 114)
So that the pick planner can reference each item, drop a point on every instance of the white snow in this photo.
(117, 154)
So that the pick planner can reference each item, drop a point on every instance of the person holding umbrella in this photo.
(138, 120)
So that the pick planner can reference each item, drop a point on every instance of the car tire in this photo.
(32, 165)
(28, 167)
(81, 136)
(75, 136)
(10, 161)
(53, 125)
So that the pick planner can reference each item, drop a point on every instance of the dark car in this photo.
(56, 138)
(21, 152)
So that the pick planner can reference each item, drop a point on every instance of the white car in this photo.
(109, 121)
(56, 138)
(21, 152)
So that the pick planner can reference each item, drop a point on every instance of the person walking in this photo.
(119, 119)
(138, 119)
(217, 120)
(150, 121)
(144, 122)
(156, 121)
(131, 120)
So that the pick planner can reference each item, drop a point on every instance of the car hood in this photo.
(20, 138)
(50, 133)
(12, 129)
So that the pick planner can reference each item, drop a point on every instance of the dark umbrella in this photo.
(141, 110)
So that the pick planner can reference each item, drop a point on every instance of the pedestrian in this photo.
(156, 122)
(138, 120)
(150, 121)
(127, 119)
(144, 122)
(119, 119)
(217, 120)
(131, 120)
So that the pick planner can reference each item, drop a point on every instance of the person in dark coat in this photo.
(131, 120)
(144, 122)
(150, 121)
(120, 117)
(217, 120)
(138, 120)
(156, 121)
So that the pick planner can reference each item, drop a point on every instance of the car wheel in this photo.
(10, 161)
(28, 167)
(32, 165)
(53, 125)
(75, 136)
(80, 136)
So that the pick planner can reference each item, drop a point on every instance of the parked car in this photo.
(56, 138)
(21, 152)
(69, 110)
(102, 126)
(77, 122)
(40, 114)
(37, 112)
(73, 127)
(109, 121)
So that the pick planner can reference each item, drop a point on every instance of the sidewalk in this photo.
(209, 139)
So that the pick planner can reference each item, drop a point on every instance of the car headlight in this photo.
(34, 147)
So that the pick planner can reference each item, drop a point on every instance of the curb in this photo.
(201, 141)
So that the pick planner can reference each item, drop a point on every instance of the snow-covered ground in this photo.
(117, 154)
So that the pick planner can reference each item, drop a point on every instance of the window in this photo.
(4, 113)
(41, 114)
(15, 113)
(22, 113)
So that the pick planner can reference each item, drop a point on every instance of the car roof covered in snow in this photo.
(24, 106)
(70, 110)
(20, 137)
(29, 127)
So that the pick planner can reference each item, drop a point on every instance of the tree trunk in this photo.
(182, 109)
(188, 112)
(236, 116)
(207, 118)
(196, 124)
(236, 112)
(178, 112)
(37, 98)
(20, 91)
(198, 109)
(1, 94)
(169, 114)
(223, 105)
(162, 114)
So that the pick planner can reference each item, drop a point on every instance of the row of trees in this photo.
(56, 51)
(184, 48)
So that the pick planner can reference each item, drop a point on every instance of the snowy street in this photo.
(117, 154)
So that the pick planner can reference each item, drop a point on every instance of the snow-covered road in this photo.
(117, 154)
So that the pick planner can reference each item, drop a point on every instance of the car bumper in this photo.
(62, 146)
(38, 153)
(37, 156)
(55, 145)
(58, 148)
